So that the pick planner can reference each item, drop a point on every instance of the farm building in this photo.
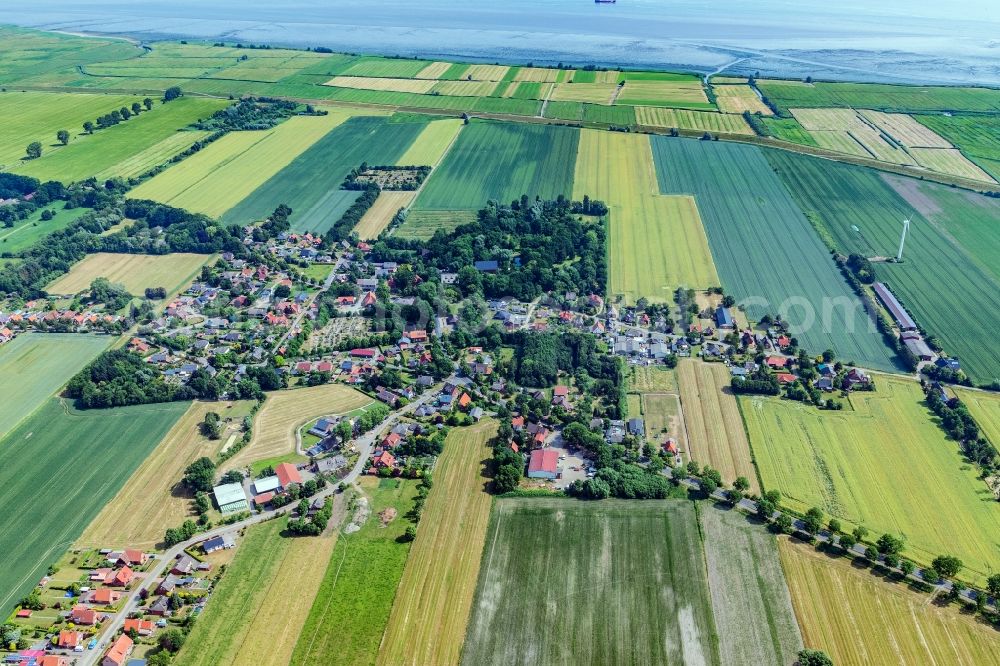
(224, 542)
(895, 308)
(723, 318)
(266, 485)
(287, 474)
(919, 348)
(230, 498)
(544, 464)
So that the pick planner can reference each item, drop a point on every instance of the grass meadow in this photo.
(431, 611)
(656, 243)
(978, 137)
(432, 143)
(565, 581)
(885, 465)
(881, 97)
(29, 231)
(58, 468)
(948, 278)
(857, 618)
(28, 53)
(422, 224)
(663, 118)
(765, 250)
(378, 217)
(985, 408)
(36, 365)
(355, 598)
(135, 271)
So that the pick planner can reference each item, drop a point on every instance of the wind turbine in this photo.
(902, 239)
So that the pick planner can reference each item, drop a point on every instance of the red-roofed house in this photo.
(54, 660)
(363, 353)
(141, 627)
(391, 440)
(417, 335)
(263, 498)
(517, 423)
(133, 558)
(465, 400)
(119, 652)
(544, 464)
(83, 615)
(369, 299)
(386, 459)
(120, 578)
(560, 391)
(105, 596)
(287, 474)
(786, 378)
(776, 361)
(70, 639)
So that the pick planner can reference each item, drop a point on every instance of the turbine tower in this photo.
(902, 239)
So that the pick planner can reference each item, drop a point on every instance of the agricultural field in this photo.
(885, 464)
(217, 178)
(750, 599)
(29, 53)
(422, 224)
(905, 130)
(978, 137)
(58, 468)
(420, 86)
(662, 414)
(739, 98)
(595, 93)
(127, 149)
(788, 129)
(136, 272)
(36, 365)
(502, 161)
(386, 67)
(634, 570)
(464, 88)
(707, 121)
(431, 611)
(882, 97)
(858, 618)
(432, 143)
(378, 217)
(310, 184)
(284, 412)
(847, 131)
(152, 500)
(29, 231)
(538, 74)
(714, 426)
(950, 161)
(656, 243)
(487, 72)
(947, 280)
(652, 379)
(350, 612)
(435, 70)
(239, 625)
(682, 94)
(985, 408)
(764, 248)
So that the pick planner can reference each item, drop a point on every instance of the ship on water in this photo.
(605, 2)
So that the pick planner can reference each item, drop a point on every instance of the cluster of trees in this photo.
(961, 426)
(113, 296)
(341, 229)
(17, 187)
(259, 113)
(589, 207)
(945, 375)
(423, 445)
(355, 180)
(155, 293)
(761, 381)
(507, 465)
(176, 535)
(116, 117)
(623, 480)
(373, 416)
(211, 427)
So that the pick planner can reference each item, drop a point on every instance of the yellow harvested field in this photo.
(217, 178)
(725, 80)
(381, 213)
(737, 99)
(434, 70)
(874, 141)
(827, 119)
(152, 500)
(858, 618)
(657, 242)
(666, 92)
(950, 161)
(136, 272)
(431, 610)
(841, 142)
(702, 121)
(284, 412)
(662, 413)
(537, 74)
(486, 72)
(714, 426)
(432, 144)
(985, 408)
(612, 76)
(595, 93)
(377, 83)
(906, 130)
(464, 88)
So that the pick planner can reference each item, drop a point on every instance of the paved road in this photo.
(366, 444)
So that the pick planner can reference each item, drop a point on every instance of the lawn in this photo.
(36, 365)
(768, 255)
(431, 610)
(26, 233)
(652, 379)
(240, 624)
(502, 161)
(432, 143)
(750, 599)
(656, 243)
(883, 97)
(310, 184)
(707, 121)
(136, 272)
(948, 278)
(857, 618)
(217, 178)
(127, 149)
(886, 465)
(152, 499)
(714, 426)
(284, 412)
(350, 612)
(565, 581)
(378, 217)
(58, 468)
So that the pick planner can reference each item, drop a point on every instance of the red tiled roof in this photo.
(544, 460)
(560, 391)
(776, 361)
(786, 378)
(120, 651)
(287, 474)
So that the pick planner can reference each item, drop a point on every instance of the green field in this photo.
(884, 97)
(948, 280)
(789, 129)
(27, 232)
(422, 224)
(127, 149)
(310, 184)
(564, 581)
(886, 465)
(985, 408)
(58, 468)
(351, 610)
(765, 250)
(978, 137)
(28, 53)
(752, 607)
(502, 161)
(36, 365)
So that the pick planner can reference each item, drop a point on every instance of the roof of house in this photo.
(776, 361)
(288, 474)
(544, 460)
(120, 650)
(266, 485)
(560, 391)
